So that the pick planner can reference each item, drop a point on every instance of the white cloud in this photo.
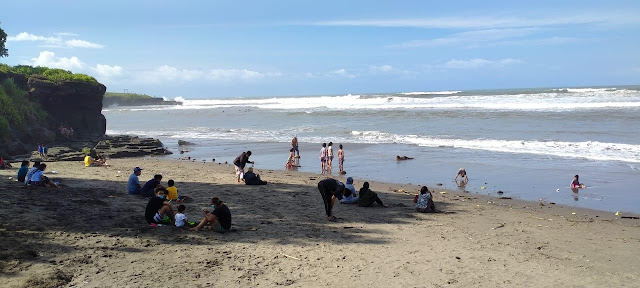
(341, 73)
(107, 72)
(488, 22)
(55, 42)
(170, 73)
(471, 37)
(81, 44)
(49, 59)
(479, 62)
(66, 34)
(381, 68)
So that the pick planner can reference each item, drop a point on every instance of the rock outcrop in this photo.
(110, 147)
(73, 104)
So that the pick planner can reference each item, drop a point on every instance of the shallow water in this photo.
(527, 143)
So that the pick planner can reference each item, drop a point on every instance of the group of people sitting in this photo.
(95, 161)
(159, 210)
(332, 189)
(34, 176)
(67, 132)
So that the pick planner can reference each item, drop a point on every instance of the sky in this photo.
(207, 49)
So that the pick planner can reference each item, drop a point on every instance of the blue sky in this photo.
(203, 49)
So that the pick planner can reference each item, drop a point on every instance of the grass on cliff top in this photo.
(126, 96)
(16, 109)
(53, 74)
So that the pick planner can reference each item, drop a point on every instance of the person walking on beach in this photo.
(330, 189)
(294, 145)
(240, 162)
(323, 157)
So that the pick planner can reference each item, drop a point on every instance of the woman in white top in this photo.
(329, 155)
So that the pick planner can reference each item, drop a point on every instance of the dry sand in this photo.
(90, 233)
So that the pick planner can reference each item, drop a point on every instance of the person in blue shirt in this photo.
(133, 185)
(22, 172)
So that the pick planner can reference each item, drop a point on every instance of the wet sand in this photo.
(91, 233)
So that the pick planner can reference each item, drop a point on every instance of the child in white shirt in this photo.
(181, 219)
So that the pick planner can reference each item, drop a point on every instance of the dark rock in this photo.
(185, 143)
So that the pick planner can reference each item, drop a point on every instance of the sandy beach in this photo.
(91, 233)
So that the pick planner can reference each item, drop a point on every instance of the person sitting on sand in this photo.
(181, 219)
(251, 178)
(366, 197)
(36, 166)
(149, 187)
(24, 169)
(575, 184)
(4, 164)
(330, 189)
(158, 208)
(173, 192)
(219, 220)
(88, 161)
(240, 162)
(133, 185)
(39, 180)
(350, 195)
(398, 157)
(424, 201)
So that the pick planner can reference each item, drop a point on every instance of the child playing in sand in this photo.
(173, 192)
(181, 219)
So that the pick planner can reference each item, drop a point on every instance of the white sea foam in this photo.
(430, 93)
(584, 99)
(592, 150)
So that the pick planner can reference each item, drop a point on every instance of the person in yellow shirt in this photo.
(88, 161)
(173, 191)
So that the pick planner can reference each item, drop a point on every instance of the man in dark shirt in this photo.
(151, 185)
(330, 189)
(219, 220)
(240, 162)
(157, 208)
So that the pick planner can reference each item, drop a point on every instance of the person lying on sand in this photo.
(219, 219)
(149, 187)
(158, 207)
(330, 189)
(398, 157)
(39, 180)
(367, 197)
(575, 184)
(251, 178)
(424, 201)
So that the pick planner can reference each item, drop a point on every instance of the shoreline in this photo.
(95, 235)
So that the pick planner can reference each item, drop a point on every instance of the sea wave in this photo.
(430, 93)
(592, 150)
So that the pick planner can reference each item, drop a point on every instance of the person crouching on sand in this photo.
(158, 207)
(240, 162)
(219, 219)
(462, 173)
(330, 189)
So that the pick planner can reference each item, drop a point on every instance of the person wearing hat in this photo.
(134, 182)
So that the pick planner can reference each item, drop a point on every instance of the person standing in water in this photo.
(323, 157)
(341, 159)
(330, 156)
(462, 173)
(294, 145)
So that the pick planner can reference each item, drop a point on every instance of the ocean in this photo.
(528, 143)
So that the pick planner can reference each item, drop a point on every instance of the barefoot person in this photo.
(294, 145)
(158, 207)
(462, 173)
(219, 220)
(323, 157)
(240, 162)
(330, 156)
(424, 201)
(341, 159)
(330, 189)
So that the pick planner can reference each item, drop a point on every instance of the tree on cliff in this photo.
(3, 38)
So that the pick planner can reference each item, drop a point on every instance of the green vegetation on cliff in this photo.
(126, 96)
(133, 99)
(17, 110)
(53, 74)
